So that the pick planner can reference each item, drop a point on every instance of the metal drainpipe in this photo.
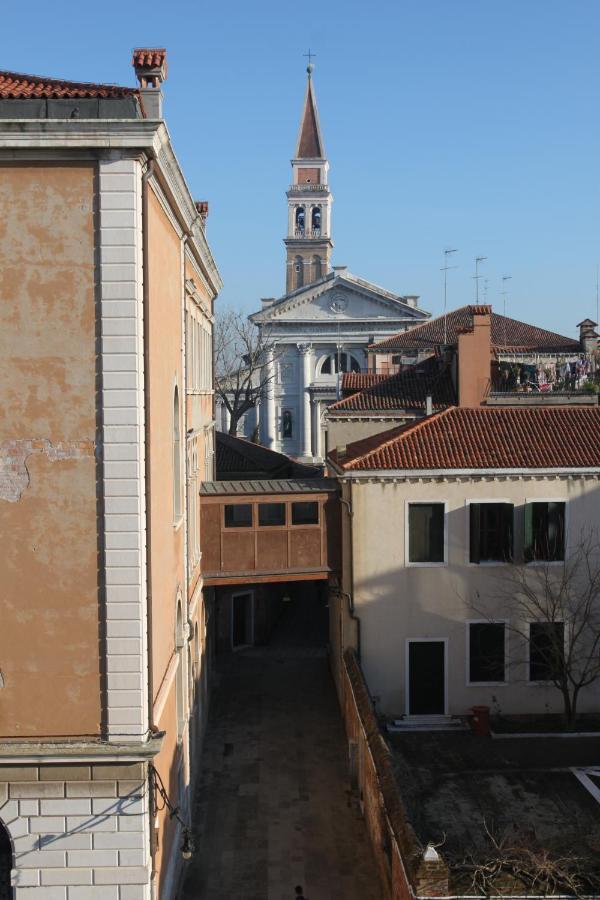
(148, 478)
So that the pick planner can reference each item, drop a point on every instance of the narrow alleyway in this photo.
(272, 809)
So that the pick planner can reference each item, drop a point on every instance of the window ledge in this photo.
(480, 684)
(427, 565)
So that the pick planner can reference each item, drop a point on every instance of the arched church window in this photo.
(299, 270)
(317, 267)
(6, 864)
(287, 424)
(300, 220)
(316, 221)
(340, 362)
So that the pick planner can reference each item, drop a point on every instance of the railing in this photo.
(304, 188)
(307, 232)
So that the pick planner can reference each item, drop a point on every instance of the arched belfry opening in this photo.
(6, 863)
(300, 221)
(316, 221)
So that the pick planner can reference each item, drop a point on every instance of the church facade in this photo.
(324, 322)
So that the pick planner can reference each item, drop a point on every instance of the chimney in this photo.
(588, 336)
(202, 210)
(474, 357)
(151, 70)
(428, 405)
(411, 299)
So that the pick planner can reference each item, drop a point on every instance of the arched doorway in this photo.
(6, 864)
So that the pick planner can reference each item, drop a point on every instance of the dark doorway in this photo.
(426, 678)
(241, 620)
(6, 862)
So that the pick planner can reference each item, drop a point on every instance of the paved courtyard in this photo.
(272, 809)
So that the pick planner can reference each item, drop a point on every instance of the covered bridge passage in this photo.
(281, 530)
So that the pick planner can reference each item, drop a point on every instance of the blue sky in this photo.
(470, 124)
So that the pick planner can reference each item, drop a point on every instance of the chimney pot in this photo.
(150, 66)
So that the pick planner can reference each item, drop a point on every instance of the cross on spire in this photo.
(310, 56)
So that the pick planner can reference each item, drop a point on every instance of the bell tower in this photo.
(308, 242)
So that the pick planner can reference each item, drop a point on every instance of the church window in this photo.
(316, 221)
(299, 269)
(6, 864)
(300, 220)
(340, 362)
(317, 267)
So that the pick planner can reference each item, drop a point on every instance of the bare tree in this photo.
(563, 599)
(241, 352)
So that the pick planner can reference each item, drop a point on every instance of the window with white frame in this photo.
(491, 532)
(544, 531)
(487, 652)
(546, 650)
(176, 456)
(426, 532)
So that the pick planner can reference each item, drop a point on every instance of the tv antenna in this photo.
(505, 278)
(477, 276)
(445, 269)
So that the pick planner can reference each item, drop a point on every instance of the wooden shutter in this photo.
(474, 532)
(507, 529)
(528, 533)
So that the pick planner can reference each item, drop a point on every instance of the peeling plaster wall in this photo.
(49, 640)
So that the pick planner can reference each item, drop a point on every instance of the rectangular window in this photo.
(486, 651)
(238, 515)
(491, 532)
(426, 532)
(271, 514)
(546, 650)
(304, 513)
(544, 531)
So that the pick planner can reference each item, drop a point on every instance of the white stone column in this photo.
(270, 433)
(305, 352)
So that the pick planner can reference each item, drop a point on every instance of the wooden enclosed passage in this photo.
(269, 530)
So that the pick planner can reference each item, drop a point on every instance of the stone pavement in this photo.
(273, 808)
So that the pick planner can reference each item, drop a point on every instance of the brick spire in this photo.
(310, 143)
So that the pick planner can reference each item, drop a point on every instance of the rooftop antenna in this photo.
(444, 269)
(477, 276)
(505, 278)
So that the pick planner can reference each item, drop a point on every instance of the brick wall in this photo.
(79, 832)
(398, 853)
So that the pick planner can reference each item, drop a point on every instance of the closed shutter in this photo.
(474, 532)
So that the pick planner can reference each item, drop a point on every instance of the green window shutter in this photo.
(528, 535)
(474, 532)
(507, 530)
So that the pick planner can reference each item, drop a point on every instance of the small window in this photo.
(491, 532)
(544, 531)
(271, 514)
(426, 532)
(486, 651)
(238, 515)
(546, 650)
(287, 424)
(305, 513)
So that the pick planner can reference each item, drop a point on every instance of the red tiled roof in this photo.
(508, 438)
(357, 381)
(509, 334)
(14, 86)
(149, 58)
(405, 390)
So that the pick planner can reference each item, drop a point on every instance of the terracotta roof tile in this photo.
(357, 381)
(237, 455)
(15, 86)
(458, 438)
(405, 391)
(507, 333)
(149, 58)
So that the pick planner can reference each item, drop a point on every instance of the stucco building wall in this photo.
(49, 640)
(396, 602)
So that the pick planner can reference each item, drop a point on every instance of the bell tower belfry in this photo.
(308, 242)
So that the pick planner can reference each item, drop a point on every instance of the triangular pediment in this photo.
(342, 298)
